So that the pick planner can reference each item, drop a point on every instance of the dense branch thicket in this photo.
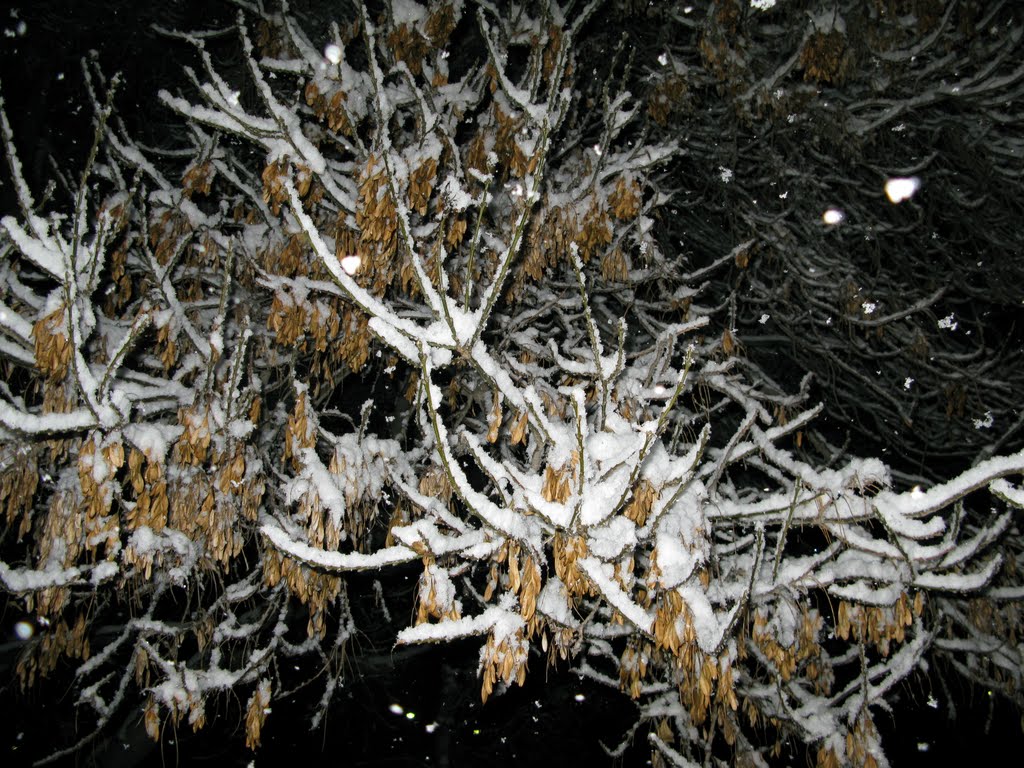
(908, 315)
(425, 285)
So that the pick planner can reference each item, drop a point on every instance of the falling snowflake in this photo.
(907, 382)
(663, 59)
(333, 53)
(725, 174)
(762, 5)
(832, 216)
(350, 264)
(948, 322)
(985, 422)
(869, 307)
(900, 189)
(763, 318)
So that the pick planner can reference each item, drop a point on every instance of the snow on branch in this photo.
(334, 561)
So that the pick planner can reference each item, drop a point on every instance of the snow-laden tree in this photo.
(399, 297)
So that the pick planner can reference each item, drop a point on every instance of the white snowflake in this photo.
(948, 322)
(725, 174)
(350, 264)
(985, 422)
(832, 216)
(333, 53)
(900, 189)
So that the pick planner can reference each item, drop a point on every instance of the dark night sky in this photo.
(42, 45)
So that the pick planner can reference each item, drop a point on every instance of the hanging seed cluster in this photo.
(878, 626)
(116, 300)
(633, 666)
(826, 57)
(511, 152)
(802, 654)
(256, 713)
(19, 480)
(166, 231)
(436, 596)
(60, 642)
(517, 574)
(717, 45)
(197, 179)
(179, 700)
(53, 352)
(861, 744)
(409, 46)
(360, 470)
(567, 551)
(704, 682)
(987, 616)
(595, 232)
(329, 107)
(377, 222)
(641, 503)
(275, 189)
(421, 185)
(503, 660)
(98, 464)
(667, 98)
(559, 481)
